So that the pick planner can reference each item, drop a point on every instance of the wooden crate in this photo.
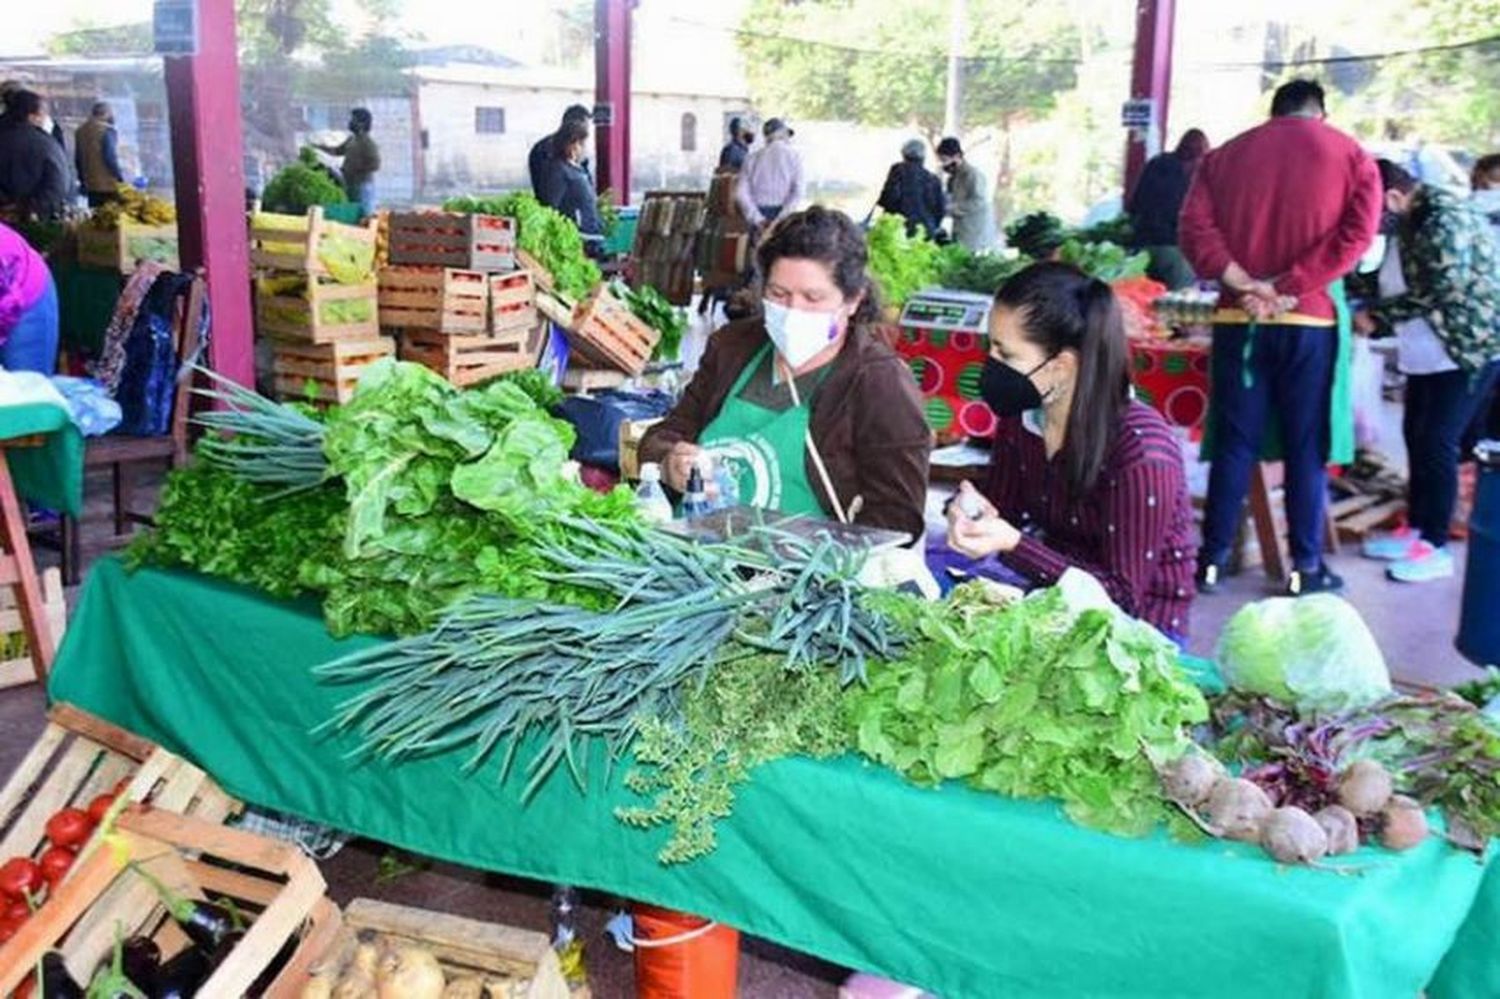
(446, 299)
(303, 316)
(452, 239)
(16, 666)
(512, 301)
(291, 242)
(519, 962)
(583, 380)
(334, 368)
(539, 274)
(272, 883)
(119, 249)
(632, 432)
(79, 756)
(605, 333)
(468, 360)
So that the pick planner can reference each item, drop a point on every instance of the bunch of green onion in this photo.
(260, 441)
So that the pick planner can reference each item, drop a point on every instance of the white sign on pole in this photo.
(1138, 113)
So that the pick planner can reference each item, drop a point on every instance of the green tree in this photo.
(1016, 59)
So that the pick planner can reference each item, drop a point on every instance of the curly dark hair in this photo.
(831, 238)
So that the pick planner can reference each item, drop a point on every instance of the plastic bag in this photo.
(1314, 652)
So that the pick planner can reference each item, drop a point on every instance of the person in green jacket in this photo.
(1440, 298)
(361, 160)
(968, 198)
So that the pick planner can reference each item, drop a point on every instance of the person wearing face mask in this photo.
(573, 186)
(35, 178)
(96, 154)
(968, 199)
(1440, 295)
(812, 413)
(361, 160)
(1081, 475)
(732, 156)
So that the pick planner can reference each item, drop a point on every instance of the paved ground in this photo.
(1414, 625)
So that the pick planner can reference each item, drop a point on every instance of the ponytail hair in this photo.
(1062, 308)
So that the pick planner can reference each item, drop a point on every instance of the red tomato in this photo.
(8, 928)
(17, 912)
(55, 863)
(99, 806)
(20, 877)
(70, 827)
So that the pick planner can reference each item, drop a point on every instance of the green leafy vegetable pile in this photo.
(901, 264)
(300, 185)
(651, 307)
(1119, 230)
(546, 235)
(1032, 700)
(1106, 261)
(961, 269)
(434, 495)
(1037, 235)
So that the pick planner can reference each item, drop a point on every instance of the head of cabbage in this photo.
(1314, 652)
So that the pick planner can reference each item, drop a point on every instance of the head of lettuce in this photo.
(1313, 652)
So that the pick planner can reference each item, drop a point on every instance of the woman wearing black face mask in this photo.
(1082, 476)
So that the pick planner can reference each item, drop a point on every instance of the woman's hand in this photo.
(982, 535)
(679, 464)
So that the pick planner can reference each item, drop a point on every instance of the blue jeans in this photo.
(1291, 369)
(32, 345)
(1438, 409)
(364, 194)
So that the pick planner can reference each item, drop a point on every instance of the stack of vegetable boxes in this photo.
(666, 241)
(316, 300)
(452, 293)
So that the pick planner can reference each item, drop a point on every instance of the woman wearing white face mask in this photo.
(814, 414)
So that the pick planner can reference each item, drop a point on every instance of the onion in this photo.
(1341, 828)
(1365, 787)
(1237, 808)
(1190, 779)
(1293, 837)
(409, 972)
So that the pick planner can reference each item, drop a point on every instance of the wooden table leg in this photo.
(18, 571)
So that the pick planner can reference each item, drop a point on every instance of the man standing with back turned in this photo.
(1277, 215)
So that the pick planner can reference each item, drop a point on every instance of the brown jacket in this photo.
(867, 422)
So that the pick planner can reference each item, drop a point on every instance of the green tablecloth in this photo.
(963, 893)
(50, 475)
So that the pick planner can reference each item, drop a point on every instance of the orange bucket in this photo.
(678, 956)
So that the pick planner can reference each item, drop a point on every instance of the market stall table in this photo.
(41, 460)
(963, 893)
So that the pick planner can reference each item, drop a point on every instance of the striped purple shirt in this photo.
(1133, 531)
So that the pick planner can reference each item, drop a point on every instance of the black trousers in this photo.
(1439, 409)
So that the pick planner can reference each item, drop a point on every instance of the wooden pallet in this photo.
(581, 380)
(273, 884)
(512, 301)
(305, 313)
(445, 299)
(519, 962)
(452, 239)
(335, 368)
(468, 360)
(605, 333)
(291, 242)
(1356, 517)
(79, 756)
(16, 665)
(121, 248)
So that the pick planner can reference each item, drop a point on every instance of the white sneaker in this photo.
(1390, 547)
(1422, 565)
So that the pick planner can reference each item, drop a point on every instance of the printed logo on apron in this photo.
(755, 467)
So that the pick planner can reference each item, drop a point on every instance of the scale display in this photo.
(954, 311)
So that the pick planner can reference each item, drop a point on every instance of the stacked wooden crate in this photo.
(453, 295)
(325, 331)
(666, 242)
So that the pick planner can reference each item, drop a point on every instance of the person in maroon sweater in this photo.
(1277, 215)
(1082, 476)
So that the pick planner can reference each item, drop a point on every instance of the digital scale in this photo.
(950, 311)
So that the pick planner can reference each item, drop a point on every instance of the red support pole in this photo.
(1150, 79)
(208, 167)
(612, 95)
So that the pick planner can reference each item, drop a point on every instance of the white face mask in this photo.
(45, 124)
(800, 335)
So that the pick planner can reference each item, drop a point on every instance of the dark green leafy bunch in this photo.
(1108, 262)
(1037, 235)
(496, 670)
(1038, 699)
(1119, 230)
(961, 269)
(650, 307)
(300, 185)
(748, 711)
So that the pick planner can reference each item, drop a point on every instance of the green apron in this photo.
(766, 450)
(1340, 401)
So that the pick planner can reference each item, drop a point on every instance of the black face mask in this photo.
(1390, 223)
(950, 168)
(1009, 392)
